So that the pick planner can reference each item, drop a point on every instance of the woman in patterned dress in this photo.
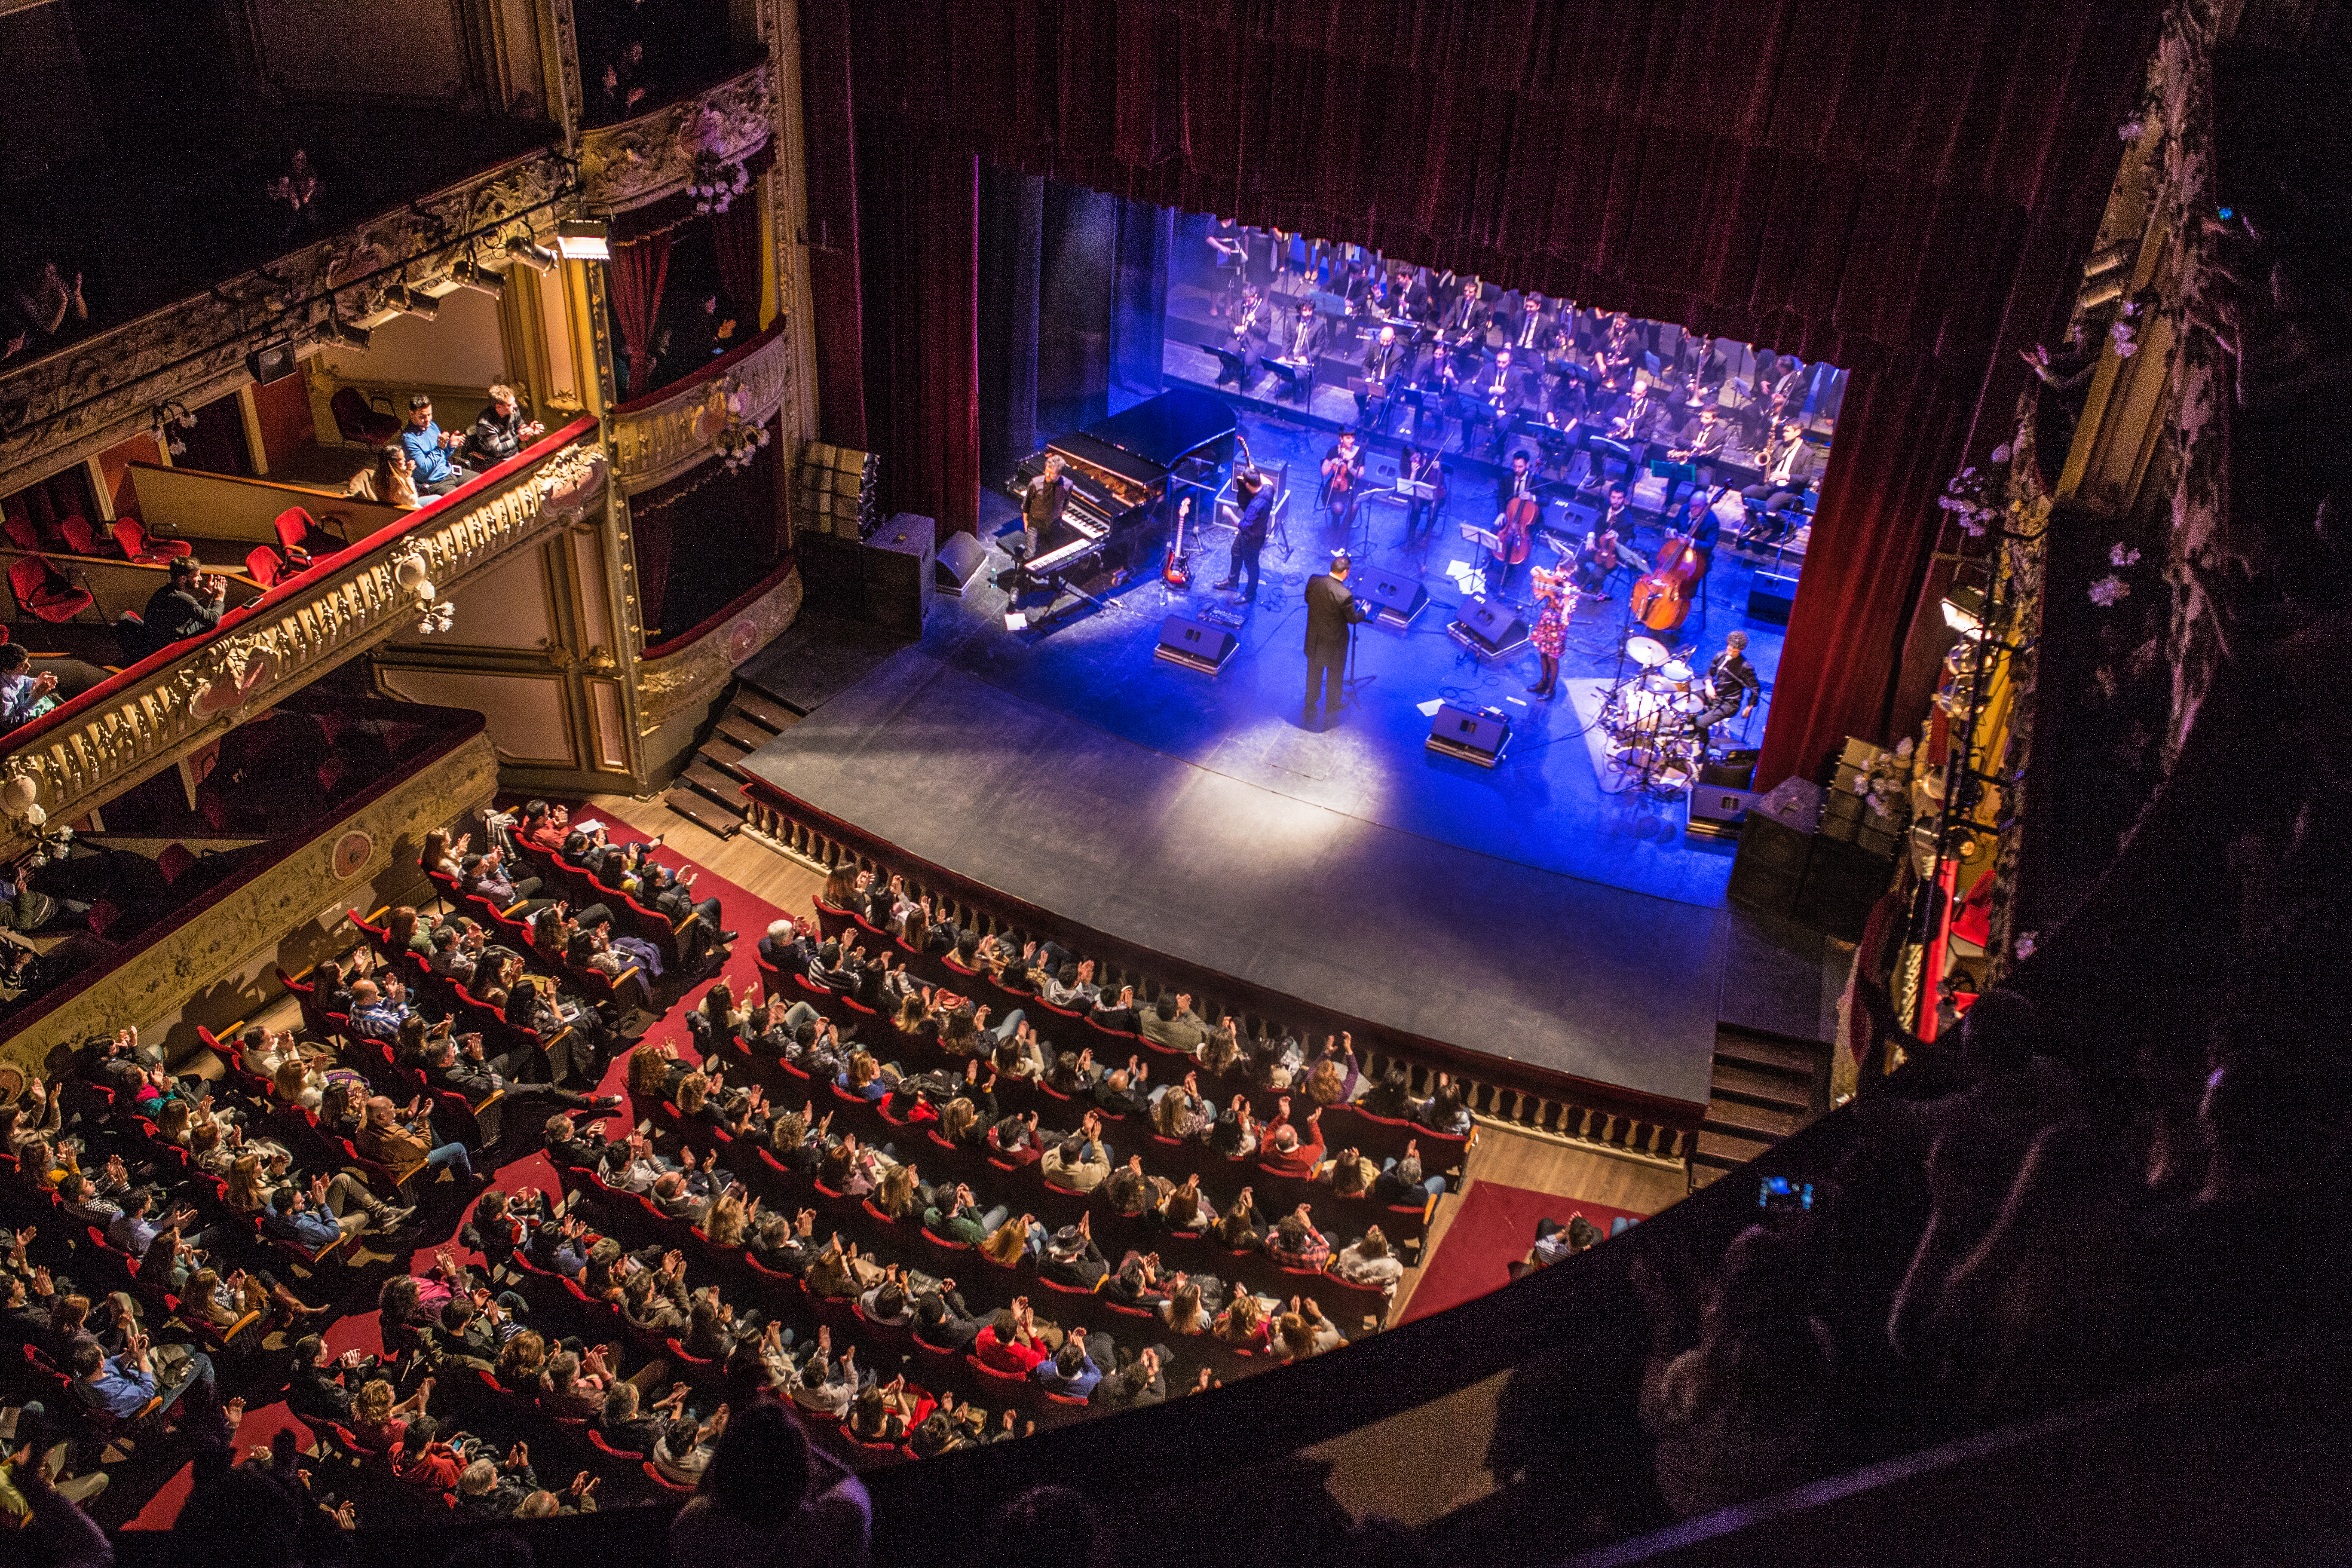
(1550, 633)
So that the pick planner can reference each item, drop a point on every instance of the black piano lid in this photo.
(1166, 429)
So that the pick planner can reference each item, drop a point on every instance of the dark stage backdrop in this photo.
(1895, 186)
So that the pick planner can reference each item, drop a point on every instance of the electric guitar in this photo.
(1174, 573)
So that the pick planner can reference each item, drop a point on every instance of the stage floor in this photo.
(1524, 911)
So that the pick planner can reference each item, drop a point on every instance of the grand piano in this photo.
(1127, 473)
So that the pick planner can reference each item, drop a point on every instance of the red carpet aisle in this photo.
(746, 915)
(1493, 1229)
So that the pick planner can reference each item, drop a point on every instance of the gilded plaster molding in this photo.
(97, 391)
(644, 160)
(673, 683)
(253, 919)
(85, 761)
(654, 446)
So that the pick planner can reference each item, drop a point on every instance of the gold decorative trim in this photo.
(86, 762)
(670, 685)
(99, 391)
(254, 919)
(656, 445)
(643, 160)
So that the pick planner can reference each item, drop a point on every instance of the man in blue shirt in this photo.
(377, 1014)
(122, 1385)
(427, 446)
(1071, 1372)
(1256, 511)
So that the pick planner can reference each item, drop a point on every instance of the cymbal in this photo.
(1675, 669)
(1647, 652)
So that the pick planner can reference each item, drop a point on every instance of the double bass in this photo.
(1662, 599)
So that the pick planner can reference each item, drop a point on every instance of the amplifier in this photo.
(897, 565)
(1194, 646)
(1474, 735)
(1489, 629)
(960, 558)
(1771, 597)
(1397, 598)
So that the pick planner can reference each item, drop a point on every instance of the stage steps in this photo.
(1762, 1088)
(708, 793)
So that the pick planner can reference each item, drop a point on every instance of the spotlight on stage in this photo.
(583, 239)
(1964, 611)
(538, 258)
(347, 336)
(414, 303)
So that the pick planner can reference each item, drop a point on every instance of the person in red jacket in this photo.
(1011, 1342)
(423, 1460)
(1282, 1153)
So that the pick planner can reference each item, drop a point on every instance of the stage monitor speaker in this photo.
(897, 568)
(274, 363)
(1715, 811)
(1194, 646)
(1776, 841)
(1395, 598)
(1842, 881)
(1488, 628)
(1771, 597)
(1471, 734)
(960, 558)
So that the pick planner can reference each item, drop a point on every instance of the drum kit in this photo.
(1648, 717)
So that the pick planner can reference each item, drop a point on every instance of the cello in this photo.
(1662, 599)
(1518, 532)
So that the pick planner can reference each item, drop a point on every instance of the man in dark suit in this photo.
(1331, 610)
(1301, 340)
(1496, 395)
(1253, 510)
(188, 604)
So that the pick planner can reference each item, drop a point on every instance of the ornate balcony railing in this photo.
(657, 154)
(662, 435)
(102, 389)
(163, 707)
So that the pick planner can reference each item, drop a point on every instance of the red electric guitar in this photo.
(1174, 573)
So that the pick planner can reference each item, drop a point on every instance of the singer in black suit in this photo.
(1331, 610)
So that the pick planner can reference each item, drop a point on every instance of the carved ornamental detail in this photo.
(656, 155)
(101, 390)
(653, 446)
(86, 759)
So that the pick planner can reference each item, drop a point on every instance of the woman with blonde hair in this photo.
(295, 1085)
(1183, 1312)
(899, 1194)
(729, 1213)
(245, 1193)
(1008, 1244)
(1242, 1324)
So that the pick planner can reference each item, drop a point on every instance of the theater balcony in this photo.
(374, 581)
(194, 893)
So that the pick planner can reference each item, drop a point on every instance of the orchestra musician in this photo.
(1250, 520)
(1518, 485)
(1465, 314)
(1702, 438)
(1302, 337)
(1538, 322)
(1421, 517)
(1343, 475)
(1642, 418)
(1732, 687)
(1790, 463)
(1042, 503)
(1596, 558)
(1702, 529)
(1555, 599)
(1384, 362)
(1248, 337)
(1496, 395)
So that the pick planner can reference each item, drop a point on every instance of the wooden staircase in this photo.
(1764, 1089)
(709, 792)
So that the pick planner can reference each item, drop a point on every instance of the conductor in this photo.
(1331, 610)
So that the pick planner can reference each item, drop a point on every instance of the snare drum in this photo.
(1676, 676)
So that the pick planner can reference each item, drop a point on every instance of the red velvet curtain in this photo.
(919, 248)
(830, 147)
(636, 273)
(1894, 186)
(735, 236)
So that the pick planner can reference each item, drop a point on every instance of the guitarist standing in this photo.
(1254, 512)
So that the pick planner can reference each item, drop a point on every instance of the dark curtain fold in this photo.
(919, 252)
(637, 272)
(1894, 186)
(735, 238)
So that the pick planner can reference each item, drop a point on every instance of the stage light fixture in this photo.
(538, 258)
(414, 303)
(1964, 610)
(473, 274)
(347, 336)
(585, 239)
